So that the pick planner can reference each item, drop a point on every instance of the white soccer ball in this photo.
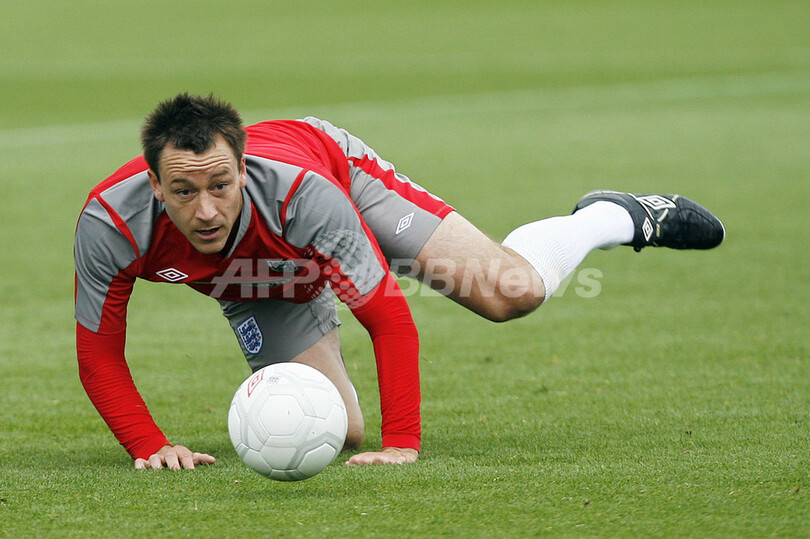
(287, 421)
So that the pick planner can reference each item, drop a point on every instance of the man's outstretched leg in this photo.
(501, 282)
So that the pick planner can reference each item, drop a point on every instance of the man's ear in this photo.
(155, 183)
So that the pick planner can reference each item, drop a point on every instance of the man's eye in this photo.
(221, 186)
(183, 192)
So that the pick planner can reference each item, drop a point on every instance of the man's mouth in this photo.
(208, 233)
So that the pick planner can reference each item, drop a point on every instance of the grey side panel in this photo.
(133, 200)
(319, 214)
(353, 147)
(100, 252)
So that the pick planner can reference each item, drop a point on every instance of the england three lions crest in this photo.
(251, 335)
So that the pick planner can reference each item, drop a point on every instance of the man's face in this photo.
(202, 192)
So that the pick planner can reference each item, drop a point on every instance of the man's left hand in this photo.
(389, 455)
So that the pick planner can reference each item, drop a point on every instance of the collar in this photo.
(244, 221)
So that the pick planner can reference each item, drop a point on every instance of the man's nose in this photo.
(206, 208)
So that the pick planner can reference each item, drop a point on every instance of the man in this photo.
(273, 219)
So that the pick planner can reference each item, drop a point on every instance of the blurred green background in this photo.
(674, 402)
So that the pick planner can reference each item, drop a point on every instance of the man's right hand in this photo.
(174, 457)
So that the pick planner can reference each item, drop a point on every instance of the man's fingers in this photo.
(389, 455)
(376, 457)
(175, 458)
(203, 458)
(187, 461)
(371, 457)
(171, 459)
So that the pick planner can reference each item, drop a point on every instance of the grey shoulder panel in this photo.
(269, 184)
(100, 253)
(320, 215)
(133, 201)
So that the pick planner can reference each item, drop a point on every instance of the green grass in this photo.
(674, 402)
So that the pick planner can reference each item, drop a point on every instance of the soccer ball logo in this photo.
(287, 421)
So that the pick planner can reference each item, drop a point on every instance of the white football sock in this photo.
(556, 246)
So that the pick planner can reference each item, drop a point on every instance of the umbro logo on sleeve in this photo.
(404, 223)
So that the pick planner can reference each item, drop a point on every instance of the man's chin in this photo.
(208, 248)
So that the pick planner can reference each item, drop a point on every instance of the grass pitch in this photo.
(662, 393)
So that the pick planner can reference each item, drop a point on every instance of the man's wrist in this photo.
(411, 441)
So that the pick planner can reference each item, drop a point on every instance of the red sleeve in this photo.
(385, 314)
(108, 382)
